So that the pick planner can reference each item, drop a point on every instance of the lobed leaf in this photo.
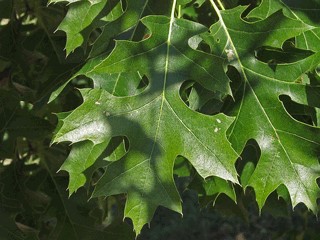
(304, 11)
(74, 25)
(260, 114)
(157, 123)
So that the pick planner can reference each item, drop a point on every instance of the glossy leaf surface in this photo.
(158, 125)
(261, 115)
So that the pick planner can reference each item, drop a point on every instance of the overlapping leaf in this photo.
(80, 20)
(107, 15)
(304, 11)
(18, 121)
(68, 1)
(111, 26)
(129, 20)
(289, 149)
(156, 122)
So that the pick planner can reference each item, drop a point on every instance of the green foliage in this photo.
(154, 98)
(260, 113)
(158, 125)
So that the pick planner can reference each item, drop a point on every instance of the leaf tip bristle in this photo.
(260, 210)
(52, 142)
(90, 198)
(235, 200)
(71, 192)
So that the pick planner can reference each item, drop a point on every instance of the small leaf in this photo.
(304, 11)
(74, 25)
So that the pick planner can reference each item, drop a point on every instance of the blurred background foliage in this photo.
(34, 203)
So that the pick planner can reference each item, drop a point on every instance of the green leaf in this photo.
(304, 11)
(127, 23)
(210, 189)
(289, 149)
(73, 27)
(69, 1)
(76, 27)
(17, 120)
(157, 123)
(36, 205)
(108, 16)
(78, 218)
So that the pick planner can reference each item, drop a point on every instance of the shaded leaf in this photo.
(158, 125)
(304, 11)
(74, 25)
(260, 115)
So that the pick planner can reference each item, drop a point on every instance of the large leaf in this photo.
(289, 149)
(157, 123)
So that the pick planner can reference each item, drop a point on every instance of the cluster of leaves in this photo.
(33, 200)
(221, 94)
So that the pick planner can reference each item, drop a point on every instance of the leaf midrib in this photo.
(165, 75)
(197, 138)
(163, 97)
(246, 82)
